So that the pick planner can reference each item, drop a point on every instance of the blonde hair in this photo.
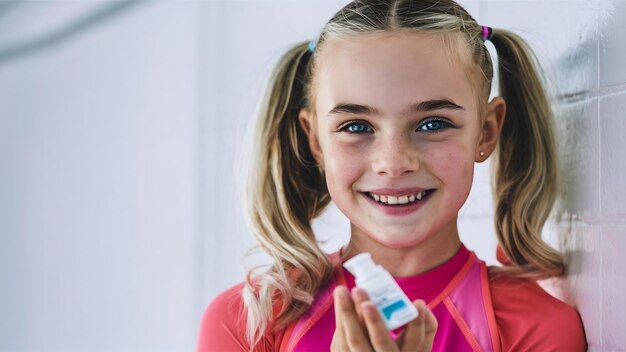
(287, 189)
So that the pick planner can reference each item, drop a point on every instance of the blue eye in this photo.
(357, 127)
(434, 126)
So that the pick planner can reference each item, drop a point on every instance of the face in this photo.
(397, 132)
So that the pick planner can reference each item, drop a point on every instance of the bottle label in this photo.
(391, 304)
(393, 307)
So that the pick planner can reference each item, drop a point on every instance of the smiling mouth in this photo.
(398, 200)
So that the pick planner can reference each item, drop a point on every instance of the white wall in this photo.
(582, 44)
(99, 180)
(119, 194)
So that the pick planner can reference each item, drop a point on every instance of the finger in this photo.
(430, 328)
(353, 333)
(339, 342)
(353, 337)
(378, 333)
(413, 334)
(420, 333)
(359, 296)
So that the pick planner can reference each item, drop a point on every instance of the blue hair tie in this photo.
(311, 46)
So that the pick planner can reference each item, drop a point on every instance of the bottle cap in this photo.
(362, 266)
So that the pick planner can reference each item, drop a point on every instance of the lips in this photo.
(398, 202)
(398, 199)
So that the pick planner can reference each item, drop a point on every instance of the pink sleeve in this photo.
(530, 319)
(222, 327)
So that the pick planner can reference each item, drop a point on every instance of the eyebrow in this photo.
(427, 105)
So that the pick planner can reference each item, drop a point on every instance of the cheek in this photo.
(343, 165)
(454, 166)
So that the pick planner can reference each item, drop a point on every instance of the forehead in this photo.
(390, 70)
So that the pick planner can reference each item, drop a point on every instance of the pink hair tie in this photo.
(487, 32)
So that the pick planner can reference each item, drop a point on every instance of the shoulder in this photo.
(529, 318)
(223, 325)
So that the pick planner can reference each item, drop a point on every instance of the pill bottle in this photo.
(393, 305)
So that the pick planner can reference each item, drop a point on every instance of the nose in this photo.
(395, 156)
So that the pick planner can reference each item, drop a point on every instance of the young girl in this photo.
(386, 114)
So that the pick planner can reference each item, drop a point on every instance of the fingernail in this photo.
(359, 292)
(342, 293)
(368, 307)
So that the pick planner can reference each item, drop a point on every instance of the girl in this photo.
(386, 115)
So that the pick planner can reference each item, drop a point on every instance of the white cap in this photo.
(362, 266)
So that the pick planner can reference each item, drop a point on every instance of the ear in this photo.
(490, 129)
(307, 122)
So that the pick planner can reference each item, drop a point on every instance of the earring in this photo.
(482, 153)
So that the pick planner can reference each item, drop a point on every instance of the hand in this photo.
(359, 326)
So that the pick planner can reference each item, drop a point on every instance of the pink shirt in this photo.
(526, 317)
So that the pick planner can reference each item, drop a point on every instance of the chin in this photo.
(398, 241)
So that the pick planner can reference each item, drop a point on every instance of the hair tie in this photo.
(487, 33)
(311, 46)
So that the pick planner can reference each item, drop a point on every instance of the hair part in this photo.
(286, 188)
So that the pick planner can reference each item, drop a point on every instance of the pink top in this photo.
(526, 317)
(427, 285)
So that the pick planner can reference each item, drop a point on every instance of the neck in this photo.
(407, 261)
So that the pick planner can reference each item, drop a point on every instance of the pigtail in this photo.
(286, 189)
(526, 163)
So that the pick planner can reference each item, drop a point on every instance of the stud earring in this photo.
(482, 153)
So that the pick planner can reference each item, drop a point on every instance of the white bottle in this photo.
(393, 305)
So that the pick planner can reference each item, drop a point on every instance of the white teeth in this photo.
(393, 200)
